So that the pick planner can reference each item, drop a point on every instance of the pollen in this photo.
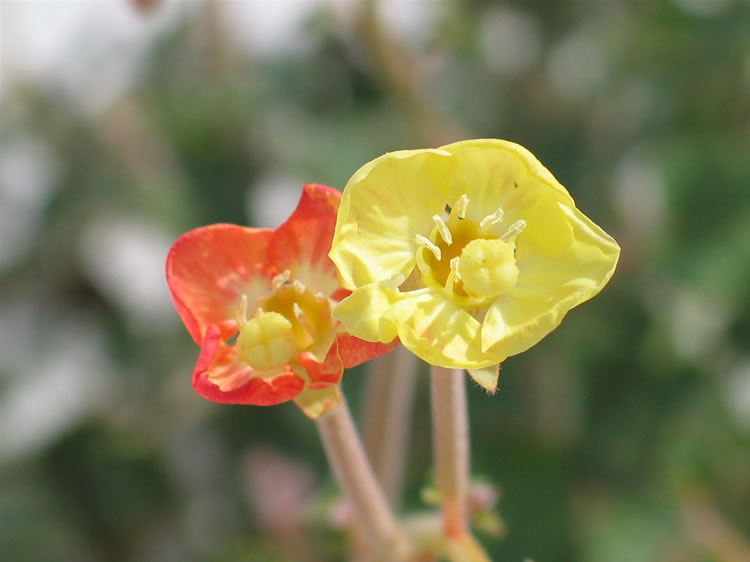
(266, 341)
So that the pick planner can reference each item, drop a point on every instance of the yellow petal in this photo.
(560, 256)
(315, 403)
(362, 313)
(564, 259)
(439, 331)
(486, 377)
(384, 206)
(496, 174)
(517, 321)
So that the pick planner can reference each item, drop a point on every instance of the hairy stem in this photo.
(450, 430)
(347, 458)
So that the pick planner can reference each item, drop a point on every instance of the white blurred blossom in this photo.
(59, 375)
(510, 40)
(28, 172)
(737, 393)
(272, 198)
(576, 65)
(124, 258)
(639, 195)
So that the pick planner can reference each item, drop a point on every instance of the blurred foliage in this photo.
(624, 436)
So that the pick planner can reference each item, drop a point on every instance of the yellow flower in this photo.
(468, 253)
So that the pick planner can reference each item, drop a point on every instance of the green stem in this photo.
(451, 447)
(347, 458)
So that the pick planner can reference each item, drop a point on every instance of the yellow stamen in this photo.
(460, 206)
(443, 229)
(491, 219)
(299, 286)
(422, 241)
(514, 230)
(241, 316)
(280, 279)
(454, 275)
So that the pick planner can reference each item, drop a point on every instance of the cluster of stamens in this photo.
(291, 320)
(480, 264)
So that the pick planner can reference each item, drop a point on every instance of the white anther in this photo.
(454, 275)
(299, 286)
(461, 205)
(454, 267)
(301, 317)
(513, 230)
(491, 219)
(443, 229)
(319, 297)
(394, 281)
(430, 246)
(242, 314)
(280, 279)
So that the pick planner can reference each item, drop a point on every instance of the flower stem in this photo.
(451, 447)
(347, 458)
(389, 394)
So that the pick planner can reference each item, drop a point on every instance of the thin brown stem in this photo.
(451, 447)
(389, 394)
(347, 457)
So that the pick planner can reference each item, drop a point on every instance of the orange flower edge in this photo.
(258, 302)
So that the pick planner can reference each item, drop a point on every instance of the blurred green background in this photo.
(624, 436)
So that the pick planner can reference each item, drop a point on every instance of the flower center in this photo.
(289, 321)
(468, 258)
(266, 341)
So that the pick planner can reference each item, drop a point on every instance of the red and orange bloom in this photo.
(258, 303)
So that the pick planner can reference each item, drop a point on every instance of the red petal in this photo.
(217, 356)
(323, 374)
(209, 268)
(354, 351)
(340, 294)
(305, 238)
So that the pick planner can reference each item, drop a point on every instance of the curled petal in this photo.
(498, 174)
(218, 367)
(560, 268)
(315, 403)
(384, 206)
(210, 268)
(362, 313)
(302, 243)
(326, 373)
(355, 351)
(440, 332)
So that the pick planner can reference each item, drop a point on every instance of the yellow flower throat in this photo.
(465, 257)
(289, 321)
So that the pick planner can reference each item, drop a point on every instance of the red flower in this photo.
(258, 302)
